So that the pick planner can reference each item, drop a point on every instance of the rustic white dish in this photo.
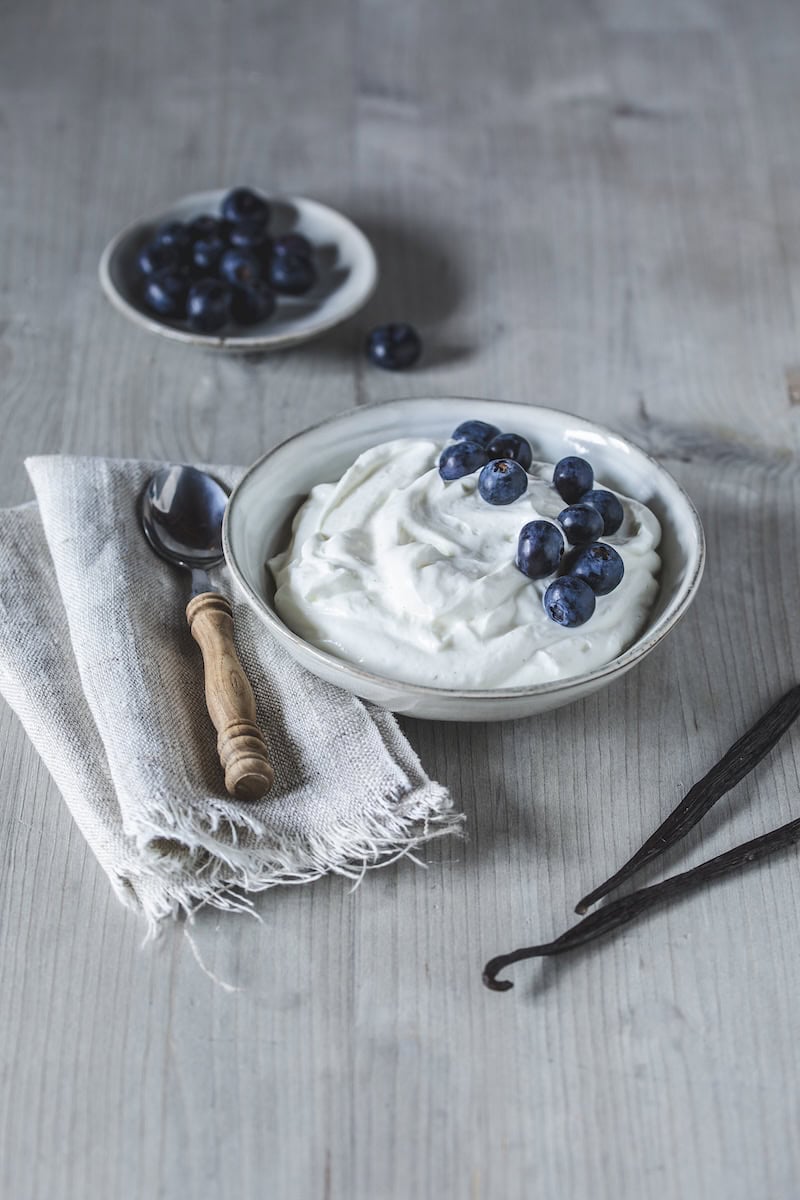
(348, 272)
(260, 511)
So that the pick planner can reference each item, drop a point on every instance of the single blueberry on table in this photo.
(165, 293)
(243, 204)
(252, 304)
(394, 347)
(539, 550)
(206, 253)
(292, 274)
(293, 243)
(462, 458)
(502, 481)
(241, 267)
(609, 507)
(250, 235)
(581, 524)
(511, 445)
(475, 431)
(158, 256)
(174, 233)
(572, 477)
(600, 566)
(569, 601)
(208, 306)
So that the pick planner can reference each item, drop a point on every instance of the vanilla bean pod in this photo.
(742, 757)
(619, 912)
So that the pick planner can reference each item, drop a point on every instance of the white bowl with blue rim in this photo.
(259, 516)
(347, 272)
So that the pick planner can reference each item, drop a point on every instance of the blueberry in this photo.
(569, 601)
(158, 256)
(243, 204)
(394, 347)
(206, 226)
(253, 303)
(250, 235)
(511, 445)
(572, 477)
(609, 508)
(475, 431)
(165, 293)
(207, 252)
(208, 307)
(539, 550)
(174, 233)
(600, 566)
(241, 267)
(581, 524)
(502, 481)
(292, 274)
(293, 243)
(462, 458)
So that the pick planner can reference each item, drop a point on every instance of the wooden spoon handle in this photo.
(229, 697)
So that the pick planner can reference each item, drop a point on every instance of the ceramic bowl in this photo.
(346, 263)
(259, 515)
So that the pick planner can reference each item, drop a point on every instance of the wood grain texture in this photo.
(229, 698)
(587, 205)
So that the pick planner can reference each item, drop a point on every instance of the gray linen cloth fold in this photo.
(97, 661)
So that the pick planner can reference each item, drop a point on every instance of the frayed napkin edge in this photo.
(234, 874)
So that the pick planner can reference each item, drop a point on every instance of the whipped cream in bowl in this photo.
(384, 578)
(413, 577)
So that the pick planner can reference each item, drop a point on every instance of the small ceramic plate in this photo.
(345, 260)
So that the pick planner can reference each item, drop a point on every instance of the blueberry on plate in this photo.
(165, 293)
(609, 508)
(502, 481)
(572, 477)
(208, 306)
(250, 235)
(174, 233)
(243, 204)
(581, 524)
(241, 267)
(569, 601)
(206, 253)
(539, 550)
(462, 458)
(600, 566)
(253, 303)
(292, 274)
(293, 243)
(475, 431)
(158, 256)
(206, 226)
(511, 445)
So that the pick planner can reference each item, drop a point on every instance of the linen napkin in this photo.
(98, 662)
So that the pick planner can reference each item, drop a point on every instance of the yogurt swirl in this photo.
(413, 578)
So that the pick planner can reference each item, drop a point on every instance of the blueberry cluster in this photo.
(504, 459)
(593, 567)
(215, 271)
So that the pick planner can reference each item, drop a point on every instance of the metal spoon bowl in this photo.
(181, 510)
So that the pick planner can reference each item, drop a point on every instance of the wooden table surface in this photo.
(593, 206)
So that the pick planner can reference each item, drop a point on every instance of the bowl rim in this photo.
(236, 341)
(641, 647)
